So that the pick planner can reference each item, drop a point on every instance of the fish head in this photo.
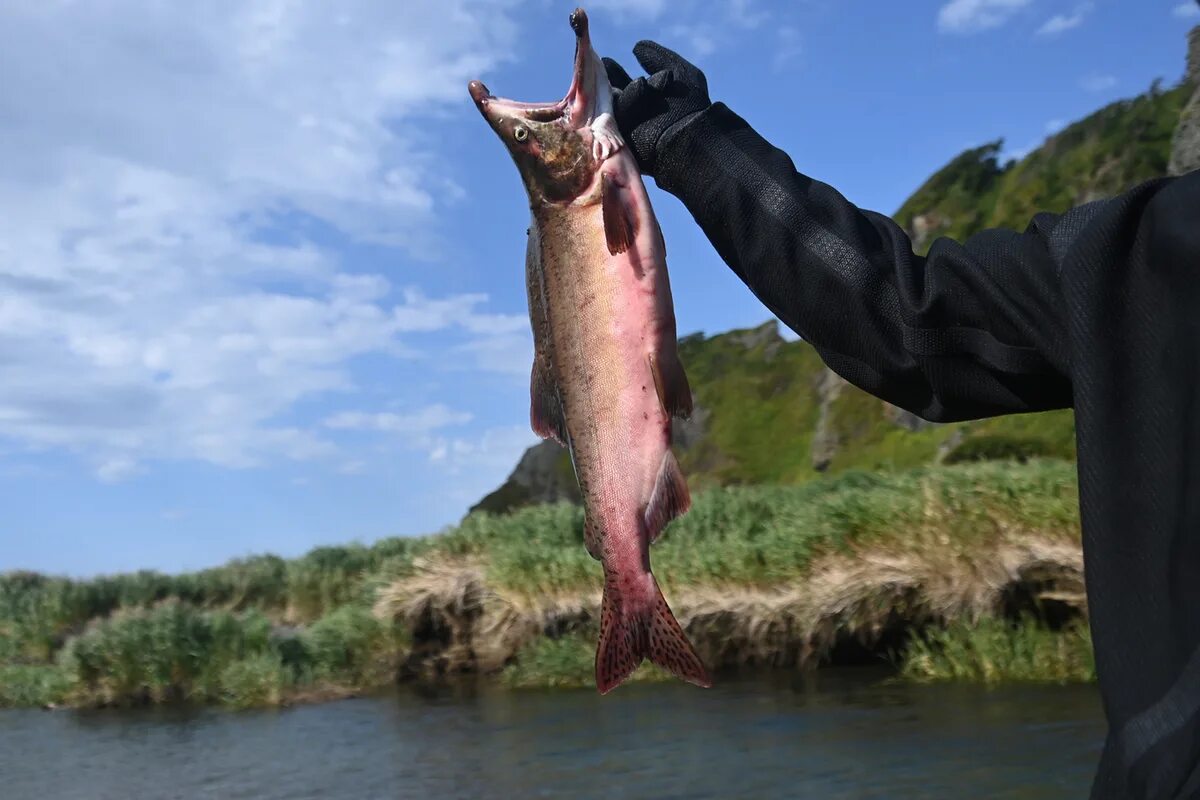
(552, 143)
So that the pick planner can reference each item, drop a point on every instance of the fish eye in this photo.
(520, 134)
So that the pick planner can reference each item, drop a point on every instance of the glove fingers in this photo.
(655, 58)
(617, 76)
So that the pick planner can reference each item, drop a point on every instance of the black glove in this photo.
(648, 109)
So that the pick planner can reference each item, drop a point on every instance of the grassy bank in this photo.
(782, 576)
(998, 651)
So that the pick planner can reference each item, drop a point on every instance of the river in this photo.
(838, 734)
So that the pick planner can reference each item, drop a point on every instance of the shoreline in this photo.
(929, 570)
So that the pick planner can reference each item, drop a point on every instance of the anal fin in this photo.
(545, 408)
(670, 498)
(671, 383)
(620, 229)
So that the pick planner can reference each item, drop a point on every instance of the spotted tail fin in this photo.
(634, 629)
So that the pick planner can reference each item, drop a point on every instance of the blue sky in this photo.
(261, 277)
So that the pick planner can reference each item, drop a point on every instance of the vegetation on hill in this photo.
(1119, 146)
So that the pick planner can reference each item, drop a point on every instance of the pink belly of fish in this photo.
(622, 321)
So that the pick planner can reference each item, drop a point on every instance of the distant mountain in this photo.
(769, 411)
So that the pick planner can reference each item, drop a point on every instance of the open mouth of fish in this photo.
(576, 109)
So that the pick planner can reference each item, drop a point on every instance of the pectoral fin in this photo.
(671, 383)
(620, 228)
(545, 407)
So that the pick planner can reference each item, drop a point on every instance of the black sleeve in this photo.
(973, 329)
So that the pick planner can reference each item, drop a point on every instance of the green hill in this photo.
(768, 411)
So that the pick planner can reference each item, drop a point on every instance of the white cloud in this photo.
(1065, 22)
(1187, 10)
(116, 469)
(420, 422)
(972, 16)
(480, 464)
(697, 40)
(698, 27)
(746, 14)
(1054, 126)
(1098, 83)
(156, 301)
(788, 47)
(647, 9)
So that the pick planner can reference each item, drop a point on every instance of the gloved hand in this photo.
(648, 109)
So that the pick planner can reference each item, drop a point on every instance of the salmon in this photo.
(606, 379)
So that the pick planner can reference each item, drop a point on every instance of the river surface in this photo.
(839, 734)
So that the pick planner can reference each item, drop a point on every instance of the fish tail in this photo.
(645, 628)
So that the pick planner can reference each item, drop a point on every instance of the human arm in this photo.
(972, 329)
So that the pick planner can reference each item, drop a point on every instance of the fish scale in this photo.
(606, 378)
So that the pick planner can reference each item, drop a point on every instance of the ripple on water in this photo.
(841, 734)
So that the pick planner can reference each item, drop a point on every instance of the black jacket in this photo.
(1096, 309)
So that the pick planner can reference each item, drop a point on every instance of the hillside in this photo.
(1103, 154)
(768, 411)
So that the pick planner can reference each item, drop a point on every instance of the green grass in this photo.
(219, 636)
(994, 651)
(352, 646)
(767, 535)
(259, 680)
(32, 685)
(565, 663)
(175, 652)
(172, 652)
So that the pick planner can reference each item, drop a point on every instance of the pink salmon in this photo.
(606, 379)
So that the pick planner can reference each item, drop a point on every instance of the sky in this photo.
(261, 262)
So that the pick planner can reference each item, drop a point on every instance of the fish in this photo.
(606, 380)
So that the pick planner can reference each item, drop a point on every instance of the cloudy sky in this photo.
(261, 261)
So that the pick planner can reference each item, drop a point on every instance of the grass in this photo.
(994, 651)
(32, 685)
(565, 663)
(176, 652)
(768, 535)
(742, 565)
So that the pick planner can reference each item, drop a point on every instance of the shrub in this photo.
(167, 653)
(255, 681)
(998, 447)
(351, 646)
(32, 685)
(999, 650)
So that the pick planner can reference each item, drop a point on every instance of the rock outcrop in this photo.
(543, 475)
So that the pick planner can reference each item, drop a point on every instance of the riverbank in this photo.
(930, 569)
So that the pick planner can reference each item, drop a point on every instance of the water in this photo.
(838, 735)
